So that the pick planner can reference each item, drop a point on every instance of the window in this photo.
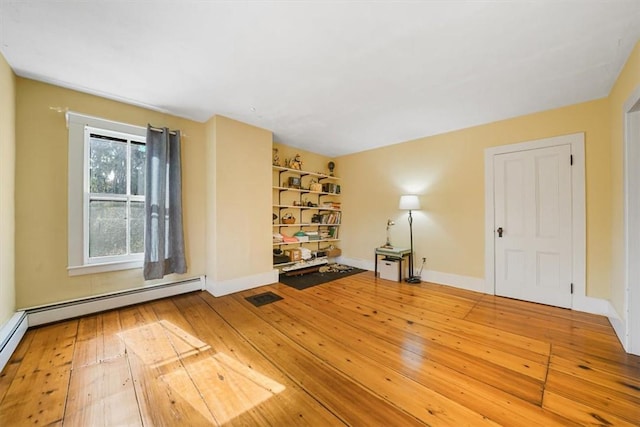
(106, 195)
(114, 196)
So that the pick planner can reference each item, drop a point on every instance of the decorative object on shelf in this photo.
(288, 219)
(294, 254)
(294, 182)
(332, 251)
(331, 167)
(301, 236)
(296, 162)
(274, 217)
(388, 244)
(276, 157)
(330, 187)
(315, 186)
(410, 202)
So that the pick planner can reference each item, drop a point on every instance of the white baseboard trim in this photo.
(455, 280)
(591, 305)
(619, 326)
(70, 309)
(11, 334)
(226, 287)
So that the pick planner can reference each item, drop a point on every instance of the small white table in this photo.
(397, 254)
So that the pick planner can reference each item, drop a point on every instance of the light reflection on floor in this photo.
(216, 385)
(161, 342)
(412, 353)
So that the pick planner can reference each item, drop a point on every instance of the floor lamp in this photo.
(410, 203)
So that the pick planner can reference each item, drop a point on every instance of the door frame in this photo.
(579, 298)
(629, 333)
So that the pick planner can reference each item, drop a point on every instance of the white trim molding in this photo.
(226, 287)
(104, 267)
(11, 333)
(77, 191)
(454, 280)
(580, 301)
(618, 323)
(457, 281)
(629, 335)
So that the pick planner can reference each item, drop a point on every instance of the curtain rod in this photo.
(67, 111)
(155, 129)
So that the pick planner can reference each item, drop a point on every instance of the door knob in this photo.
(500, 231)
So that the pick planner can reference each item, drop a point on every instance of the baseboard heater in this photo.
(11, 334)
(76, 308)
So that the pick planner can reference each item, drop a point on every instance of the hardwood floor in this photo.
(358, 351)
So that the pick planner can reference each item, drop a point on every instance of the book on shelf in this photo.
(330, 218)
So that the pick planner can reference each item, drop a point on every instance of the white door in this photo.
(532, 191)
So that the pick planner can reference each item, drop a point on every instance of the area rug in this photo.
(308, 280)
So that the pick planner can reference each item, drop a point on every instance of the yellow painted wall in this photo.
(448, 172)
(242, 190)
(627, 82)
(7, 205)
(41, 193)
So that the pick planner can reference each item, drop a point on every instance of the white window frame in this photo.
(127, 198)
(78, 194)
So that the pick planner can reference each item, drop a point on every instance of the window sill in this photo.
(103, 268)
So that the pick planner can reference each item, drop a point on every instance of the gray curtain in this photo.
(163, 233)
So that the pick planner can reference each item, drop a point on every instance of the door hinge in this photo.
(571, 159)
(572, 289)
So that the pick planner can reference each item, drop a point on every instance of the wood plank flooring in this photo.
(358, 351)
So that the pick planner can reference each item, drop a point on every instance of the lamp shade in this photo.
(409, 202)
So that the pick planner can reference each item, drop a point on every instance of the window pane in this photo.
(107, 165)
(137, 227)
(138, 157)
(107, 228)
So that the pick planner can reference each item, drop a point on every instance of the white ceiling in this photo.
(332, 77)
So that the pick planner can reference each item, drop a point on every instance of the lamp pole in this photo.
(411, 242)
(410, 202)
(411, 278)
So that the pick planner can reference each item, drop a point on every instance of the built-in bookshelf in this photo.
(299, 209)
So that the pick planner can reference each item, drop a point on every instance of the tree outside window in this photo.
(115, 202)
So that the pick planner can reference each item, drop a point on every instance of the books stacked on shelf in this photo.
(330, 218)
(331, 205)
(302, 236)
(329, 233)
(313, 235)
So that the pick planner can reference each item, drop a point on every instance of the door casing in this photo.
(629, 332)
